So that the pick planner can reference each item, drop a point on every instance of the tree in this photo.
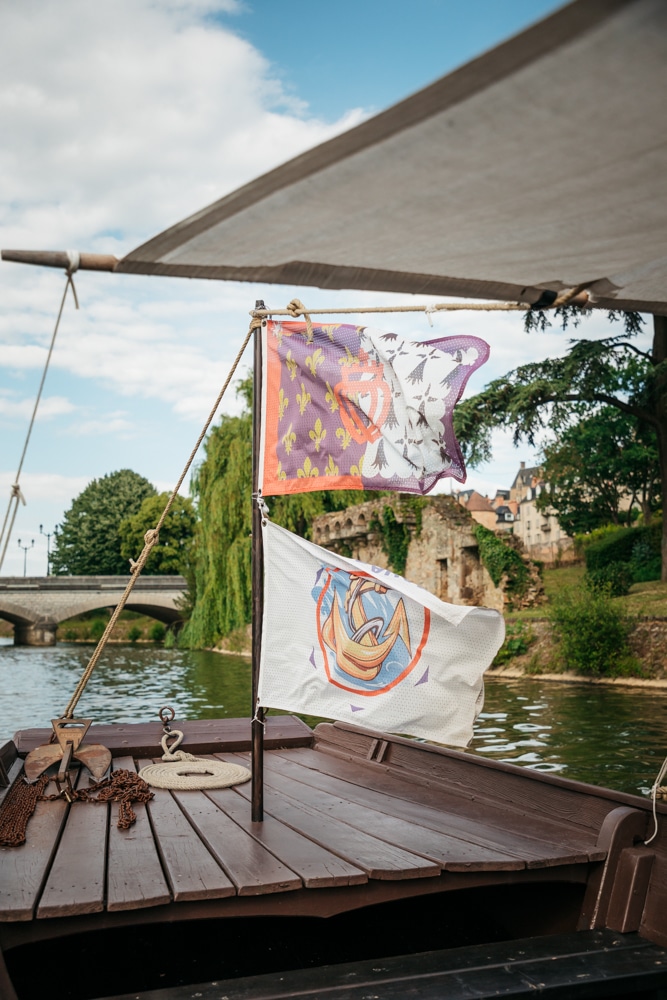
(88, 540)
(220, 582)
(596, 466)
(172, 550)
(612, 371)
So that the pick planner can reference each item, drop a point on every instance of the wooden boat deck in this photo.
(352, 819)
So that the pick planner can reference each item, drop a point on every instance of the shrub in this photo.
(518, 638)
(646, 561)
(170, 639)
(502, 561)
(97, 628)
(157, 632)
(134, 633)
(614, 579)
(619, 545)
(592, 632)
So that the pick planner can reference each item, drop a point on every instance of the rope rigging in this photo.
(15, 494)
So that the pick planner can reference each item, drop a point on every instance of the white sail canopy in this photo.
(540, 165)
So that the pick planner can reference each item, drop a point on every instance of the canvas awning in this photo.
(541, 164)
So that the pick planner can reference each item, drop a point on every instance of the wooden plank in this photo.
(379, 859)
(450, 853)
(192, 872)
(134, 873)
(592, 964)
(24, 869)
(505, 784)
(201, 736)
(76, 881)
(458, 842)
(628, 896)
(252, 869)
(544, 844)
(317, 867)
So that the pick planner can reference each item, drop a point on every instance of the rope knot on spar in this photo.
(296, 308)
(16, 493)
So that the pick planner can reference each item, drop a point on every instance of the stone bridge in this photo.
(36, 605)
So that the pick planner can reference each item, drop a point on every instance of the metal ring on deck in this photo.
(194, 774)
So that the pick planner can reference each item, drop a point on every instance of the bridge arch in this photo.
(37, 605)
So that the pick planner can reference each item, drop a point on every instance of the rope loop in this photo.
(296, 308)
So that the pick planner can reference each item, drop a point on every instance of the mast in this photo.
(257, 725)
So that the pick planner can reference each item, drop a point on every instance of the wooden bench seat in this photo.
(588, 964)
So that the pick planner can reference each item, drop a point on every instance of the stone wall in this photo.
(443, 556)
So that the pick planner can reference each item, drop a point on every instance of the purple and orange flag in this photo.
(346, 407)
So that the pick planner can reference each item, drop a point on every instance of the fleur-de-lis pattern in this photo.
(303, 398)
(292, 366)
(318, 434)
(331, 469)
(308, 470)
(314, 360)
(377, 406)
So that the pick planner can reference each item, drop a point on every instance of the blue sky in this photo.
(120, 119)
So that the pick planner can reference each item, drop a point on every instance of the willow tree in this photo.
(219, 578)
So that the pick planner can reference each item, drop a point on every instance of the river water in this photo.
(615, 737)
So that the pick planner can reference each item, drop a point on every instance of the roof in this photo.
(540, 165)
(525, 477)
(478, 502)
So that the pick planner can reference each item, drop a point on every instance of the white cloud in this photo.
(49, 406)
(45, 486)
(129, 115)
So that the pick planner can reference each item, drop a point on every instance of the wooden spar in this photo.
(63, 259)
(257, 805)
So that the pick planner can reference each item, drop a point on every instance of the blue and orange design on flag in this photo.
(370, 640)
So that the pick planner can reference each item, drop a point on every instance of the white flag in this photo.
(349, 641)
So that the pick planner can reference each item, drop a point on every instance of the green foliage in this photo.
(220, 579)
(592, 633)
(594, 465)
(172, 551)
(559, 391)
(157, 632)
(613, 579)
(518, 638)
(395, 537)
(135, 633)
(88, 540)
(583, 540)
(502, 561)
(619, 546)
(97, 627)
(170, 639)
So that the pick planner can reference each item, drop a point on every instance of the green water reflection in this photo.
(615, 737)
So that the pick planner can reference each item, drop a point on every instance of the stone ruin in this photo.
(443, 554)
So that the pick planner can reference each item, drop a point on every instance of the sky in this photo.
(120, 119)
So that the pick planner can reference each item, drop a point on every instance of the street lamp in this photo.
(25, 553)
(48, 537)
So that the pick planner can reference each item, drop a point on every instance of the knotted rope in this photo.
(296, 308)
(15, 492)
(183, 770)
